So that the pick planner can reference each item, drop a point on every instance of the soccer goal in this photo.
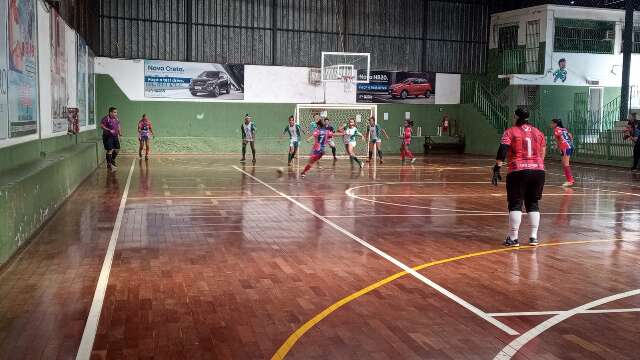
(339, 116)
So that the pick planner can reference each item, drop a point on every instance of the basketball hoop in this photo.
(347, 80)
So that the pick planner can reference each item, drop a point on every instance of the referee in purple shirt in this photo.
(110, 136)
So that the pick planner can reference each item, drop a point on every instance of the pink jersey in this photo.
(526, 144)
(563, 137)
(407, 135)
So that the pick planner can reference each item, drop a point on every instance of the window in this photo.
(635, 47)
(508, 37)
(584, 36)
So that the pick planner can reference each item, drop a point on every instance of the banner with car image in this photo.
(398, 87)
(186, 80)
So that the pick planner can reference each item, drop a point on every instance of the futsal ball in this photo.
(280, 171)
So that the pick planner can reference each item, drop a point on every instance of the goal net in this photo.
(338, 116)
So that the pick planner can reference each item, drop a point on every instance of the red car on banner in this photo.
(411, 87)
(402, 87)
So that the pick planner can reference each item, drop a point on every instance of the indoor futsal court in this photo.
(302, 179)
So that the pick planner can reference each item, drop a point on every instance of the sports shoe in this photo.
(509, 242)
(303, 175)
(568, 184)
(113, 164)
(243, 160)
(381, 161)
(253, 161)
(413, 160)
(533, 241)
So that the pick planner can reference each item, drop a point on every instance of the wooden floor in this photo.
(216, 260)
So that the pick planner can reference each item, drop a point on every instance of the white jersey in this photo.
(350, 135)
(248, 132)
(293, 132)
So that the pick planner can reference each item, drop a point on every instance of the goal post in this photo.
(338, 115)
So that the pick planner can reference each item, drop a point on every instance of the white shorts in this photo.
(352, 143)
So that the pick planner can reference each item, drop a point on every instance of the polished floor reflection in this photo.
(215, 259)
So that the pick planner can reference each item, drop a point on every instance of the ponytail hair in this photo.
(522, 117)
(558, 123)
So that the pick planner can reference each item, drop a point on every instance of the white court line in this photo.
(541, 313)
(391, 259)
(91, 327)
(510, 350)
(481, 214)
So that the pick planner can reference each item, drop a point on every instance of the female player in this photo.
(331, 143)
(374, 134)
(565, 144)
(526, 147)
(406, 141)
(248, 130)
(321, 135)
(351, 133)
(295, 133)
(145, 131)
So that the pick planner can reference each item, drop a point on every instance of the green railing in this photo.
(516, 61)
(473, 92)
(596, 138)
(513, 61)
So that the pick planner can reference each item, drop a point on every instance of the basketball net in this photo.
(348, 83)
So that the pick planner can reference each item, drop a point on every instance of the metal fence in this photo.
(429, 35)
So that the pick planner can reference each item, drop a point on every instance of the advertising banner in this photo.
(180, 80)
(23, 68)
(91, 90)
(398, 87)
(59, 97)
(81, 81)
(4, 72)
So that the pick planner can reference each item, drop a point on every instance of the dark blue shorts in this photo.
(110, 142)
(567, 151)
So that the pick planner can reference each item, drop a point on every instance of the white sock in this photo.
(515, 217)
(534, 217)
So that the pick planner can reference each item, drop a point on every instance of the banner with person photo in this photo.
(179, 80)
(4, 72)
(23, 68)
(59, 96)
(398, 87)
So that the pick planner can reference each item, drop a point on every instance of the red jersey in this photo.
(563, 137)
(525, 147)
(407, 135)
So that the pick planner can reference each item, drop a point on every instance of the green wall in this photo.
(214, 127)
(35, 179)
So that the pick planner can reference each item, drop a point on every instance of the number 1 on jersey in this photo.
(529, 151)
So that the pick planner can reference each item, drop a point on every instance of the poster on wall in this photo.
(91, 88)
(398, 87)
(59, 97)
(4, 81)
(23, 70)
(180, 80)
(81, 81)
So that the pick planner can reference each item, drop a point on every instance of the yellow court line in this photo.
(296, 335)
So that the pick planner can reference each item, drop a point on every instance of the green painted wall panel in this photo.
(214, 127)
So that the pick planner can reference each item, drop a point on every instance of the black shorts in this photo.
(525, 186)
(110, 142)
